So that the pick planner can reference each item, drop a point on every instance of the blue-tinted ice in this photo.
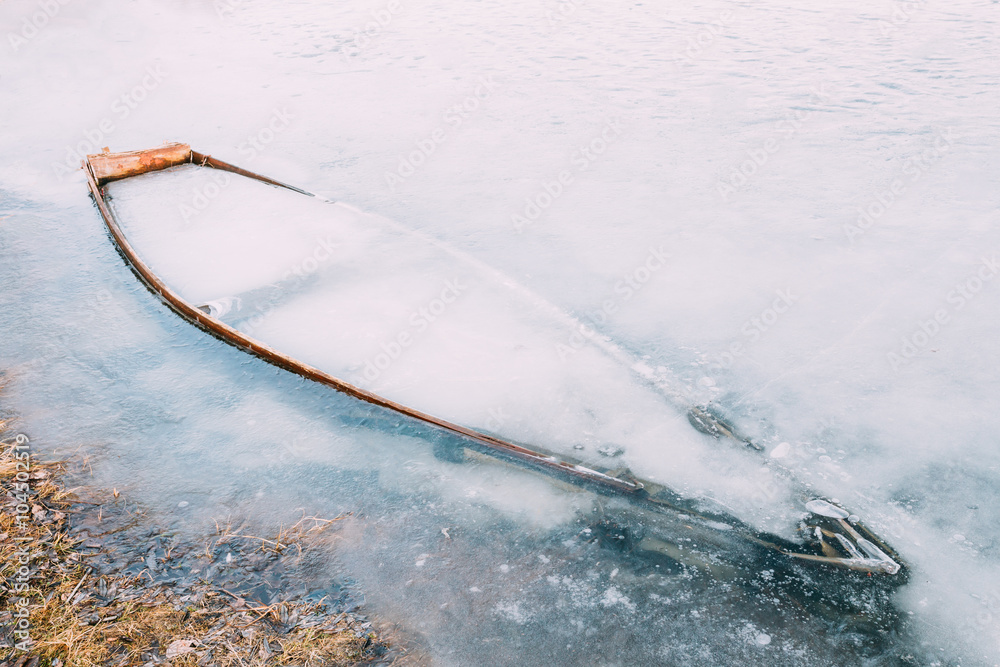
(876, 382)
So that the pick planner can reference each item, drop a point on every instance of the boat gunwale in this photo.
(238, 339)
(603, 482)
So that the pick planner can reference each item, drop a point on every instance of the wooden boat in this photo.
(831, 537)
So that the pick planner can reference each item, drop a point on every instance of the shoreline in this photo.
(92, 580)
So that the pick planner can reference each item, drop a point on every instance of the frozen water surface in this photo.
(352, 295)
(821, 180)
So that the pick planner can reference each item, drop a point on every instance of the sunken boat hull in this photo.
(839, 567)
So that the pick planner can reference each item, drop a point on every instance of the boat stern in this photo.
(107, 166)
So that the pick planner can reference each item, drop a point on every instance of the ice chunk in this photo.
(824, 508)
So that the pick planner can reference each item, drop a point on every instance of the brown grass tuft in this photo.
(81, 620)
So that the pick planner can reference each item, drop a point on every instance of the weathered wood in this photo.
(107, 167)
(203, 160)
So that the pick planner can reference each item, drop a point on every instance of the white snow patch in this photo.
(614, 597)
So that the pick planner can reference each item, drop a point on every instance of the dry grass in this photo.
(306, 529)
(211, 632)
(79, 620)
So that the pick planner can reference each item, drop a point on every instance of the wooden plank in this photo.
(109, 167)
(203, 160)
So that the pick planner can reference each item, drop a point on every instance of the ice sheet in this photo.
(851, 98)
(361, 299)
